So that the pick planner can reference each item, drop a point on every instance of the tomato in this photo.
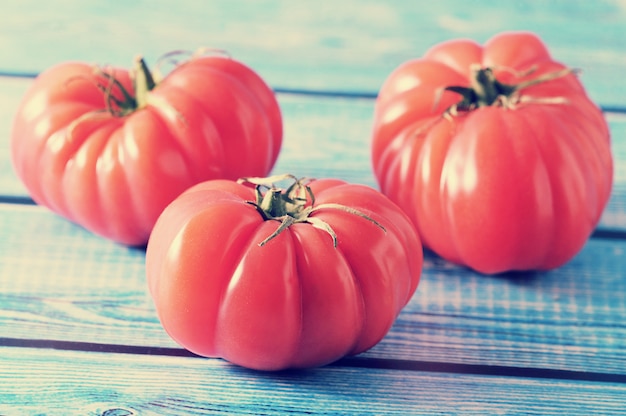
(271, 278)
(496, 152)
(109, 148)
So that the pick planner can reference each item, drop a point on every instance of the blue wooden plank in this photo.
(466, 343)
(36, 381)
(324, 137)
(350, 45)
(60, 283)
(568, 318)
(11, 92)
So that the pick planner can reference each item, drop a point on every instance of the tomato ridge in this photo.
(170, 58)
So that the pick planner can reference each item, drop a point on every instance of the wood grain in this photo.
(78, 330)
(324, 137)
(340, 46)
(61, 382)
(58, 282)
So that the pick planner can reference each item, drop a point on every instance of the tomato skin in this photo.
(295, 302)
(210, 117)
(493, 188)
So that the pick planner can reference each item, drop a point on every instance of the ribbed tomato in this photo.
(496, 153)
(280, 278)
(109, 149)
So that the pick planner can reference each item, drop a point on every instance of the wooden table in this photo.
(78, 330)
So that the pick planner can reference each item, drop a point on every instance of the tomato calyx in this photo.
(293, 205)
(486, 90)
(120, 102)
(143, 83)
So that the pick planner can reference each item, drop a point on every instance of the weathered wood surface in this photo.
(324, 137)
(332, 45)
(79, 333)
(68, 285)
(123, 384)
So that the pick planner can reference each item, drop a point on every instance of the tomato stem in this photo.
(296, 204)
(120, 102)
(486, 90)
(143, 82)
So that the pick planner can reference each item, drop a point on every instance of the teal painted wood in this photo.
(324, 137)
(77, 325)
(11, 91)
(350, 45)
(62, 382)
(60, 283)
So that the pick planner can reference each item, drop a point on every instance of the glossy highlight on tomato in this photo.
(271, 278)
(495, 151)
(109, 148)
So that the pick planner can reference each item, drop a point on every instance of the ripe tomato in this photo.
(496, 153)
(228, 280)
(109, 149)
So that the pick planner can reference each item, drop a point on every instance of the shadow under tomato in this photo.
(435, 263)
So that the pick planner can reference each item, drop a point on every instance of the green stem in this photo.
(293, 205)
(485, 89)
(144, 82)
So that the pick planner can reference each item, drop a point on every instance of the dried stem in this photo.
(293, 205)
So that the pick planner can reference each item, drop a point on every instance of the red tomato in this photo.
(330, 283)
(509, 169)
(109, 153)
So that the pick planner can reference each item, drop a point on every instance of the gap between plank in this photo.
(17, 200)
(599, 233)
(607, 234)
(351, 362)
(482, 369)
(369, 95)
